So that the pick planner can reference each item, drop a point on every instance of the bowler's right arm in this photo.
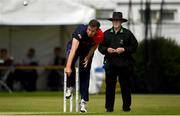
(75, 44)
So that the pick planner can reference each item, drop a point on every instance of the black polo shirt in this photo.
(123, 38)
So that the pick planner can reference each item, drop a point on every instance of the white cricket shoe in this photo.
(83, 106)
(69, 92)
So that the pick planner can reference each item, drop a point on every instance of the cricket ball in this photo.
(25, 3)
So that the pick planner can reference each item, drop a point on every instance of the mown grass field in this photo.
(51, 103)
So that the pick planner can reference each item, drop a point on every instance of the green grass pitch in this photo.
(51, 103)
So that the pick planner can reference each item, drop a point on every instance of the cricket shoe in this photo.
(69, 92)
(83, 106)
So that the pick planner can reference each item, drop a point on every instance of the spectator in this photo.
(29, 77)
(55, 76)
(6, 61)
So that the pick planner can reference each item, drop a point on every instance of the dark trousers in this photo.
(55, 81)
(84, 76)
(29, 82)
(123, 75)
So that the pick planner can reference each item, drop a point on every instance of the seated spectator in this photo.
(55, 77)
(5, 59)
(29, 76)
(6, 62)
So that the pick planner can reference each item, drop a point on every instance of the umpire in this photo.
(118, 45)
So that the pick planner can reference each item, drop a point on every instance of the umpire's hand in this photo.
(120, 50)
(111, 50)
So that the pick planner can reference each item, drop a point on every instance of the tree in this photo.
(163, 67)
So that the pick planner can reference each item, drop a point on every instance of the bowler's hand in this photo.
(86, 60)
(111, 50)
(68, 71)
(120, 50)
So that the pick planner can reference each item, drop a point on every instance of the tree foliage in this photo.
(157, 66)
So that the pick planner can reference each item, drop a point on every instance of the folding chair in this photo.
(4, 77)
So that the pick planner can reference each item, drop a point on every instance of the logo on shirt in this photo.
(121, 42)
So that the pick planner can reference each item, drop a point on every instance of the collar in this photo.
(120, 31)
